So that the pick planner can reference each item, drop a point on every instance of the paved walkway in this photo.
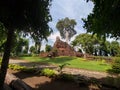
(73, 71)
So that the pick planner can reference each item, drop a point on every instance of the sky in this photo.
(73, 9)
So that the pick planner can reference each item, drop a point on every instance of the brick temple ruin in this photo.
(61, 48)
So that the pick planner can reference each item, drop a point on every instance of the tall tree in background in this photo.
(105, 18)
(38, 43)
(32, 50)
(91, 44)
(38, 46)
(66, 28)
(48, 48)
(20, 46)
(86, 41)
(29, 16)
(115, 48)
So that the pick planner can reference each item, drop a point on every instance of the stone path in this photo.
(73, 71)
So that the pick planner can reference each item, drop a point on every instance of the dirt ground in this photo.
(45, 83)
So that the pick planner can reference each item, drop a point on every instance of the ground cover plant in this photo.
(48, 72)
(22, 68)
(75, 62)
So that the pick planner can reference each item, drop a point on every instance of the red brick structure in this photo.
(63, 48)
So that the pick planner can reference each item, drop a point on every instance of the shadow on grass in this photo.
(58, 60)
(47, 62)
(54, 60)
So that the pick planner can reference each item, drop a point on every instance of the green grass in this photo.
(75, 62)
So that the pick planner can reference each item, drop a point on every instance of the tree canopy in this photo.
(96, 46)
(66, 28)
(86, 42)
(28, 16)
(104, 20)
(48, 48)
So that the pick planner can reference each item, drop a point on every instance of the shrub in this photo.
(16, 67)
(49, 72)
(115, 67)
(22, 68)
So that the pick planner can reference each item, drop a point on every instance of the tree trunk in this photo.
(67, 36)
(5, 59)
(39, 47)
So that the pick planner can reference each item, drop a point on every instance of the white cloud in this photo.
(53, 36)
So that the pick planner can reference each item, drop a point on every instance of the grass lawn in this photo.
(75, 62)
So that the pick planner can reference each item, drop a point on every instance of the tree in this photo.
(115, 48)
(92, 44)
(104, 48)
(86, 41)
(29, 16)
(32, 49)
(48, 48)
(66, 28)
(38, 46)
(104, 20)
(20, 45)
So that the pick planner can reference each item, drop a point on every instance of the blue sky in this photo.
(73, 9)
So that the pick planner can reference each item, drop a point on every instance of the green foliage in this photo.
(19, 43)
(104, 20)
(86, 41)
(37, 46)
(114, 46)
(96, 46)
(48, 48)
(32, 49)
(28, 16)
(32, 17)
(16, 67)
(22, 68)
(115, 67)
(48, 72)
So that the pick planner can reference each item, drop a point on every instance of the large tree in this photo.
(29, 16)
(48, 48)
(32, 49)
(115, 48)
(38, 46)
(20, 45)
(66, 28)
(93, 45)
(105, 18)
(86, 41)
